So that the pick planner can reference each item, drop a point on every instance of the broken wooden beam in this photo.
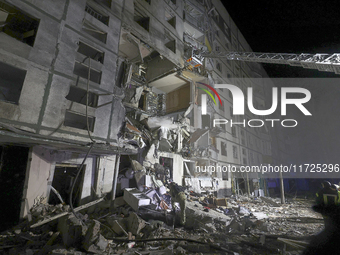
(66, 213)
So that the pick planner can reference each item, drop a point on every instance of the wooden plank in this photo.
(66, 213)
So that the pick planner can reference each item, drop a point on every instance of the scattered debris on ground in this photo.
(130, 225)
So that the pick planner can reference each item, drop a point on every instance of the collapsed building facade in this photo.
(100, 83)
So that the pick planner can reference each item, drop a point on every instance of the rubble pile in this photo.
(143, 219)
(141, 222)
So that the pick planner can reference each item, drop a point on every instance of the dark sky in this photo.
(289, 26)
(295, 26)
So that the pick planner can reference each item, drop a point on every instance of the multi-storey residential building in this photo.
(96, 82)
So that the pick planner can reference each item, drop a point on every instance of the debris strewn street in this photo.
(236, 225)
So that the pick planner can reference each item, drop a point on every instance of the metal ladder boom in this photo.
(320, 61)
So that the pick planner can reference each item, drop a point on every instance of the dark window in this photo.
(173, 1)
(77, 120)
(205, 121)
(82, 70)
(17, 24)
(79, 95)
(235, 153)
(243, 141)
(99, 16)
(218, 67)
(148, 1)
(233, 131)
(141, 18)
(223, 148)
(94, 31)
(171, 19)
(170, 42)
(11, 81)
(106, 3)
(91, 52)
(224, 175)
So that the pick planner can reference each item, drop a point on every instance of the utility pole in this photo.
(248, 188)
(282, 189)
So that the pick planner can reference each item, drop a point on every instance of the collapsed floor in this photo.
(243, 225)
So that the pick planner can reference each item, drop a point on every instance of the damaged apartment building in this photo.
(98, 84)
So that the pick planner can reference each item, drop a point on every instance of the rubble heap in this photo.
(130, 225)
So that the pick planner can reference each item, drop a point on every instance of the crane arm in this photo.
(320, 61)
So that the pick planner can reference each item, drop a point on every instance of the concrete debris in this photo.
(72, 230)
(243, 225)
(136, 198)
(94, 242)
(135, 223)
(237, 224)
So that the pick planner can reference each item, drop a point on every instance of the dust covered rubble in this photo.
(115, 228)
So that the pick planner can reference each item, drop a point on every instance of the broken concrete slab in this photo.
(72, 231)
(136, 198)
(117, 227)
(94, 242)
(136, 166)
(119, 201)
(135, 224)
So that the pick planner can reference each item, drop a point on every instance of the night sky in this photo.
(295, 26)
(288, 26)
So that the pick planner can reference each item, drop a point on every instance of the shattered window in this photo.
(94, 31)
(170, 18)
(82, 70)
(11, 82)
(235, 154)
(170, 42)
(76, 120)
(226, 29)
(91, 52)
(79, 95)
(17, 24)
(97, 15)
(141, 18)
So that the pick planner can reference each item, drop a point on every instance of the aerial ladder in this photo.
(320, 61)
